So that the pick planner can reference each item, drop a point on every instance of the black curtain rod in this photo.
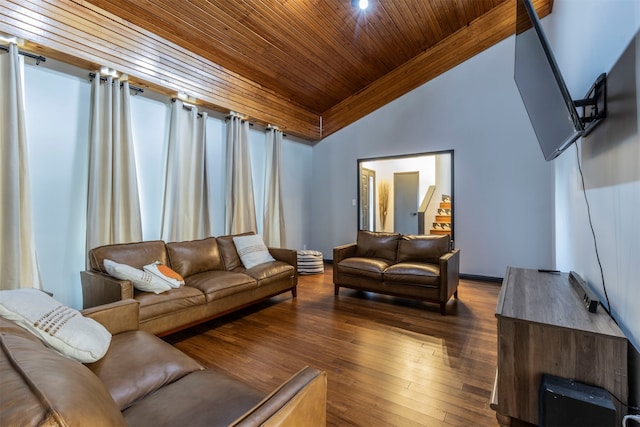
(275, 128)
(244, 120)
(38, 58)
(136, 89)
(186, 107)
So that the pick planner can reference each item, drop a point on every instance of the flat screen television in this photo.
(552, 112)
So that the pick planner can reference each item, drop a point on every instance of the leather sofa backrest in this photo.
(134, 254)
(372, 244)
(228, 252)
(195, 256)
(42, 387)
(422, 248)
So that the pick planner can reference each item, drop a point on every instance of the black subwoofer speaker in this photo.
(567, 403)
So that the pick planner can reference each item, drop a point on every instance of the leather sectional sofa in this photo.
(216, 282)
(410, 266)
(140, 381)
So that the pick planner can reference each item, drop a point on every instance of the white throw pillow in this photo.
(164, 273)
(252, 250)
(60, 327)
(141, 280)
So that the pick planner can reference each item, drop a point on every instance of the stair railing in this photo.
(423, 208)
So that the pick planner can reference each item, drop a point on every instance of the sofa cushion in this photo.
(201, 399)
(228, 252)
(42, 387)
(195, 256)
(422, 248)
(219, 284)
(271, 272)
(367, 267)
(252, 250)
(377, 245)
(172, 301)
(134, 254)
(130, 375)
(60, 327)
(141, 280)
(415, 273)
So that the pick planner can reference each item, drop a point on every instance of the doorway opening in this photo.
(367, 199)
(411, 194)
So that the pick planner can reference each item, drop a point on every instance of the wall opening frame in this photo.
(436, 182)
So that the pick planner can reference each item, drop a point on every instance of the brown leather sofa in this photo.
(141, 381)
(216, 282)
(409, 266)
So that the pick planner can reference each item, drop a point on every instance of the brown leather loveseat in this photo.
(410, 266)
(216, 281)
(140, 381)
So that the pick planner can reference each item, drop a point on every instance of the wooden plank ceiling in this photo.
(310, 67)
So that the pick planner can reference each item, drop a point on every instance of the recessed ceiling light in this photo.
(361, 4)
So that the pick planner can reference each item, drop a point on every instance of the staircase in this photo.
(442, 224)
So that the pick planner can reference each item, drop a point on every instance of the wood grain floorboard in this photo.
(389, 361)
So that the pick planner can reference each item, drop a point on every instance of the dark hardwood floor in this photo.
(389, 361)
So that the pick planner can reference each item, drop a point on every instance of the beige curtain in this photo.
(185, 214)
(18, 261)
(240, 212)
(273, 225)
(113, 205)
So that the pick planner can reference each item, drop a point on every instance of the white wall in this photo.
(503, 187)
(611, 167)
(57, 107)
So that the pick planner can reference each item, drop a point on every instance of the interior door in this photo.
(367, 196)
(405, 202)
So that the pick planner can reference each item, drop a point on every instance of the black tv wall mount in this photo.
(592, 108)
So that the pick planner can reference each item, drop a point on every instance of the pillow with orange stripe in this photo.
(142, 280)
(165, 273)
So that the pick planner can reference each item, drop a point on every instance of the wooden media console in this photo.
(545, 328)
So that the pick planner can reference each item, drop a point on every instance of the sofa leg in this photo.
(294, 291)
(455, 294)
(336, 289)
(443, 308)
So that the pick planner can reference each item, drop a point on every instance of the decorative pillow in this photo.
(141, 279)
(252, 250)
(60, 327)
(165, 274)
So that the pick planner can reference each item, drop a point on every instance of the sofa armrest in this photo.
(339, 253)
(100, 288)
(344, 251)
(449, 273)
(301, 401)
(116, 317)
(290, 256)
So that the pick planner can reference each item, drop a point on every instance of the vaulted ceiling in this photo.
(309, 66)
